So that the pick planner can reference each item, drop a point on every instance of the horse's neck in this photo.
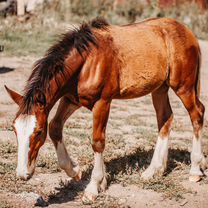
(72, 65)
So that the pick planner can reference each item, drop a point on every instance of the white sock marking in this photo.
(160, 153)
(159, 159)
(196, 156)
(65, 161)
(98, 173)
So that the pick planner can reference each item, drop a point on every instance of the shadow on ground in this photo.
(139, 159)
(5, 70)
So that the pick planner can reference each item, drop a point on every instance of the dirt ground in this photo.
(131, 136)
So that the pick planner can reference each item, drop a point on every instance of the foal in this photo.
(99, 62)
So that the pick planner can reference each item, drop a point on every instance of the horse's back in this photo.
(147, 50)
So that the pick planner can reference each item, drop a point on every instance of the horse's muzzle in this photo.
(24, 177)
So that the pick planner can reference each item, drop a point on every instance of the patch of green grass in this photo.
(31, 38)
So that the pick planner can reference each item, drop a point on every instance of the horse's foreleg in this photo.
(164, 119)
(65, 109)
(98, 180)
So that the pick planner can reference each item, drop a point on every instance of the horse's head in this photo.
(31, 130)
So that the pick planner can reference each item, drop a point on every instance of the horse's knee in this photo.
(201, 110)
(98, 146)
(197, 116)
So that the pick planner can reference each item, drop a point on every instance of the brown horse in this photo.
(99, 62)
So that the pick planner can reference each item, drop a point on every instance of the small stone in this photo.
(194, 178)
(122, 201)
(41, 202)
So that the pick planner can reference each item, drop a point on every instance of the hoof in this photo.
(194, 178)
(78, 176)
(147, 174)
(88, 198)
(152, 172)
(103, 185)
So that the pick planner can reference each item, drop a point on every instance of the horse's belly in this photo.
(139, 83)
(142, 72)
(143, 63)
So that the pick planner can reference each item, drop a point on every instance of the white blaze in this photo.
(24, 126)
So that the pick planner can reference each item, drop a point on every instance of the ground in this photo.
(131, 136)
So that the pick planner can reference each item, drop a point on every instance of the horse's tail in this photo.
(198, 72)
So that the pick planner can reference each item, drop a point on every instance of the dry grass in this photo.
(5, 204)
(128, 152)
(129, 149)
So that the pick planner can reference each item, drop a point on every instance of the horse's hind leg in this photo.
(195, 109)
(164, 119)
(65, 109)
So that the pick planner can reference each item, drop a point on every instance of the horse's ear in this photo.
(17, 98)
(40, 99)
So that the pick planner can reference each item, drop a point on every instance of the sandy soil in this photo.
(132, 133)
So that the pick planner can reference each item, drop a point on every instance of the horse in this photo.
(95, 63)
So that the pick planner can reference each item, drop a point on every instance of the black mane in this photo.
(53, 62)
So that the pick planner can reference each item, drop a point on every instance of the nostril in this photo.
(28, 176)
(24, 177)
(24, 174)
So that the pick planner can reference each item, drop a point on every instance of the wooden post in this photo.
(20, 7)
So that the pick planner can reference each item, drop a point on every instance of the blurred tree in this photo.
(203, 4)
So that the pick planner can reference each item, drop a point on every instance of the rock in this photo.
(41, 202)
